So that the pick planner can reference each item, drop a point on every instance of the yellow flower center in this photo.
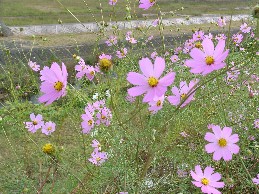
(35, 122)
(48, 148)
(222, 142)
(199, 36)
(90, 122)
(49, 128)
(158, 103)
(152, 81)
(103, 117)
(205, 181)
(98, 159)
(74, 56)
(209, 60)
(58, 86)
(92, 73)
(183, 96)
(105, 64)
(152, 1)
(198, 45)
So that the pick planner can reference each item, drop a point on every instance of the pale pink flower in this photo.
(256, 123)
(153, 55)
(237, 39)
(35, 124)
(209, 36)
(156, 104)
(146, 4)
(149, 82)
(104, 116)
(122, 53)
(48, 128)
(155, 22)
(54, 83)
(88, 121)
(245, 28)
(98, 158)
(221, 22)
(111, 41)
(207, 181)
(34, 66)
(96, 145)
(222, 143)
(174, 58)
(113, 2)
(221, 37)
(81, 68)
(256, 180)
(198, 35)
(208, 60)
(182, 94)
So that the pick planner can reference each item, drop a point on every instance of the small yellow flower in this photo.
(48, 148)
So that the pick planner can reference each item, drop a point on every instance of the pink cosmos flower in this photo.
(104, 116)
(209, 60)
(98, 158)
(156, 104)
(256, 180)
(111, 41)
(146, 4)
(198, 35)
(123, 192)
(207, 181)
(34, 66)
(88, 122)
(54, 83)
(113, 2)
(149, 82)
(221, 37)
(153, 55)
(181, 94)
(155, 22)
(256, 123)
(48, 128)
(221, 22)
(36, 123)
(96, 145)
(245, 28)
(177, 50)
(174, 58)
(237, 38)
(81, 68)
(209, 36)
(222, 143)
(122, 53)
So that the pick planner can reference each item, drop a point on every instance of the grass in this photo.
(49, 11)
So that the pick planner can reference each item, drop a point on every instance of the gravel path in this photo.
(94, 27)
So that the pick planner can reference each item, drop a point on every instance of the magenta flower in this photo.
(35, 124)
(34, 66)
(256, 180)
(146, 4)
(222, 143)
(209, 60)
(182, 93)
(54, 83)
(221, 37)
(88, 122)
(149, 82)
(207, 181)
(237, 39)
(81, 68)
(98, 158)
(48, 128)
(113, 2)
